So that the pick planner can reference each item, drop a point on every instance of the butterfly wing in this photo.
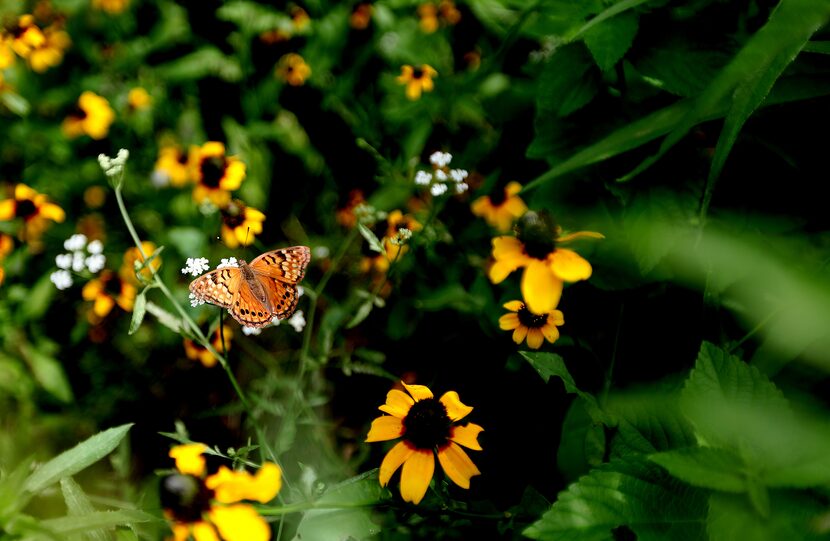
(217, 287)
(285, 265)
(281, 296)
(250, 310)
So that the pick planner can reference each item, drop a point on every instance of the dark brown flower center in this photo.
(417, 73)
(498, 198)
(186, 497)
(213, 169)
(537, 232)
(427, 424)
(182, 159)
(112, 285)
(234, 215)
(530, 320)
(25, 208)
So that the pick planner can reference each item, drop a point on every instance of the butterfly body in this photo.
(256, 293)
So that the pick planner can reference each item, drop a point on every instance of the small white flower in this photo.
(62, 279)
(195, 301)
(297, 321)
(249, 331)
(458, 175)
(159, 178)
(195, 266)
(78, 261)
(437, 189)
(461, 187)
(95, 247)
(63, 261)
(75, 242)
(441, 175)
(96, 262)
(422, 178)
(300, 291)
(123, 155)
(207, 208)
(105, 162)
(440, 159)
(229, 262)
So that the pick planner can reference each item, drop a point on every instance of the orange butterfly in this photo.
(257, 293)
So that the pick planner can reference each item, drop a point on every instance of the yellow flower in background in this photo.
(417, 80)
(216, 175)
(428, 427)
(6, 52)
(131, 256)
(292, 69)
(209, 508)
(34, 208)
(240, 224)
(6, 247)
(395, 221)
(49, 53)
(138, 98)
(25, 36)
(197, 352)
(546, 265)
(536, 328)
(361, 16)
(299, 18)
(111, 6)
(432, 16)
(106, 291)
(502, 208)
(93, 117)
(172, 166)
(95, 197)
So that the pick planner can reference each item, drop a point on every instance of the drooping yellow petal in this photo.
(514, 306)
(385, 428)
(541, 288)
(500, 270)
(22, 191)
(466, 435)
(519, 334)
(7, 209)
(569, 266)
(455, 408)
(580, 235)
(91, 289)
(189, 459)
(480, 206)
(202, 531)
(512, 188)
(240, 522)
(535, 338)
(180, 531)
(556, 317)
(397, 403)
(508, 322)
(418, 392)
(232, 486)
(457, 465)
(416, 475)
(103, 305)
(550, 332)
(52, 211)
(506, 247)
(396, 456)
(229, 237)
(413, 90)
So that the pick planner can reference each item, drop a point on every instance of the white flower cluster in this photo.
(114, 166)
(367, 214)
(195, 266)
(229, 262)
(401, 236)
(81, 256)
(442, 178)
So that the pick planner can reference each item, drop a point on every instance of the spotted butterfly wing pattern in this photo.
(217, 287)
(286, 265)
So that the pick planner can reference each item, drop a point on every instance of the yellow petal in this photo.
(240, 522)
(416, 475)
(550, 332)
(397, 403)
(466, 435)
(7, 209)
(212, 149)
(202, 531)
(189, 459)
(22, 191)
(103, 305)
(569, 266)
(515, 206)
(455, 408)
(229, 237)
(514, 306)
(480, 206)
(254, 214)
(91, 290)
(232, 486)
(513, 188)
(385, 428)
(501, 269)
(418, 392)
(519, 334)
(506, 247)
(508, 322)
(541, 289)
(457, 465)
(393, 460)
(180, 531)
(556, 317)
(580, 235)
(413, 90)
(535, 338)
(243, 236)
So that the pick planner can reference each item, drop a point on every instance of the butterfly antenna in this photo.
(247, 232)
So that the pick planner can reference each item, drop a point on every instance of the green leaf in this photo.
(164, 317)
(356, 496)
(16, 103)
(582, 441)
(371, 238)
(96, 521)
(254, 18)
(631, 493)
(681, 67)
(78, 504)
(206, 62)
(76, 459)
(792, 517)
(48, 372)
(569, 80)
(705, 467)
(608, 42)
(362, 313)
(648, 423)
(139, 309)
(822, 47)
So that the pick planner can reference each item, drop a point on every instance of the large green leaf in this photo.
(609, 41)
(705, 467)
(95, 521)
(647, 423)
(582, 441)
(76, 459)
(569, 80)
(78, 505)
(632, 493)
(792, 517)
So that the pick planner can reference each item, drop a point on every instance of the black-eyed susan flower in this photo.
(208, 508)
(293, 69)
(131, 256)
(502, 208)
(547, 266)
(92, 117)
(240, 224)
(171, 167)
(427, 426)
(299, 18)
(25, 35)
(33, 208)
(49, 53)
(197, 352)
(138, 98)
(361, 16)
(432, 15)
(417, 80)
(216, 174)
(536, 328)
(345, 215)
(106, 291)
(112, 7)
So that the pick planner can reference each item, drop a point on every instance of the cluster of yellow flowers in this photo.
(41, 46)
